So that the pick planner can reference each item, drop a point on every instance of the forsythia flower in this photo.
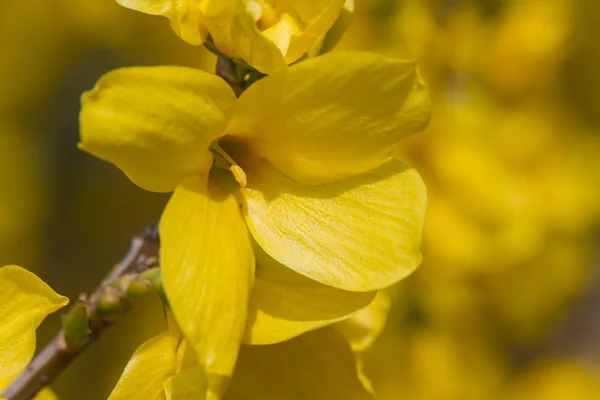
(267, 34)
(295, 177)
(25, 300)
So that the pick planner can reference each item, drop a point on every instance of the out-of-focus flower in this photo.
(554, 380)
(317, 365)
(266, 34)
(522, 56)
(334, 215)
(511, 228)
(25, 300)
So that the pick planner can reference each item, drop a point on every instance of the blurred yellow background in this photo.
(507, 302)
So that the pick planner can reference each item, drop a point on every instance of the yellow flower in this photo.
(266, 34)
(25, 300)
(555, 379)
(298, 167)
(318, 365)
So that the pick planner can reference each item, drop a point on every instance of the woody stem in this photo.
(135, 275)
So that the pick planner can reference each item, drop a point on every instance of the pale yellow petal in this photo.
(360, 234)
(364, 327)
(25, 300)
(150, 367)
(155, 123)
(234, 32)
(184, 16)
(207, 268)
(333, 116)
(285, 304)
(318, 365)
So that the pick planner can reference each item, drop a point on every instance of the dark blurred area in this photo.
(507, 302)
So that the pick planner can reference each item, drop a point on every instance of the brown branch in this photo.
(88, 318)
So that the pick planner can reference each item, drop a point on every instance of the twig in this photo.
(132, 277)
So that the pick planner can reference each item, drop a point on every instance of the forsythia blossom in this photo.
(292, 184)
(267, 34)
(25, 300)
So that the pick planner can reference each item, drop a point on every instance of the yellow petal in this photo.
(360, 234)
(46, 394)
(285, 304)
(364, 327)
(25, 300)
(146, 374)
(184, 16)
(189, 384)
(207, 268)
(234, 32)
(317, 17)
(281, 33)
(152, 7)
(318, 365)
(333, 116)
(337, 31)
(155, 123)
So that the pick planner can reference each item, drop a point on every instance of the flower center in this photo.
(225, 172)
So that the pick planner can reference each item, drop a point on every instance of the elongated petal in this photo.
(360, 234)
(234, 32)
(318, 365)
(285, 304)
(155, 123)
(334, 116)
(25, 300)
(151, 366)
(364, 327)
(207, 268)
(184, 16)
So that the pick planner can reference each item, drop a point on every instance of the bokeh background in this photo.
(507, 302)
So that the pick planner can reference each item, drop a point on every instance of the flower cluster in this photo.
(289, 211)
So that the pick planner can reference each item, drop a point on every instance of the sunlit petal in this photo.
(146, 374)
(234, 32)
(184, 16)
(360, 234)
(333, 116)
(155, 123)
(207, 268)
(285, 304)
(25, 300)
